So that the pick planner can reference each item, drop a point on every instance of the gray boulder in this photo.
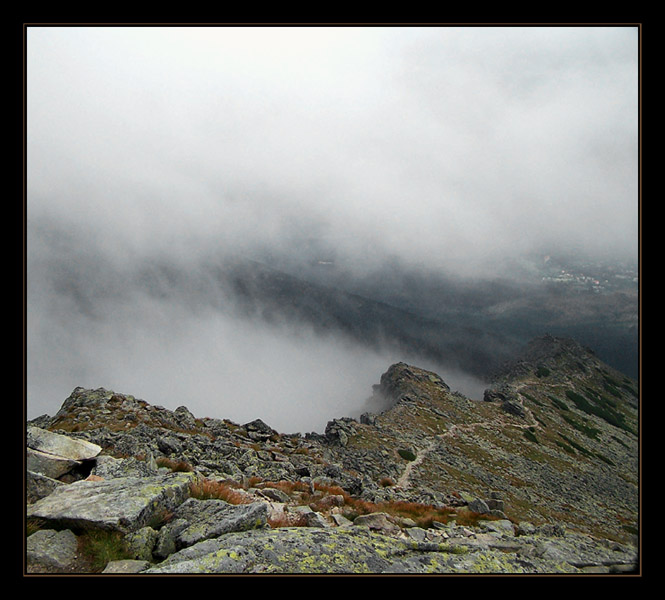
(60, 445)
(108, 467)
(38, 486)
(124, 504)
(211, 518)
(378, 521)
(478, 505)
(286, 550)
(140, 544)
(128, 566)
(49, 465)
(47, 549)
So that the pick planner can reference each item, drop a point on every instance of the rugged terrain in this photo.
(541, 476)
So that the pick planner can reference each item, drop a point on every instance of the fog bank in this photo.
(453, 150)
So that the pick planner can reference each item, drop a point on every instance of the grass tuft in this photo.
(231, 492)
(177, 466)
(100, 547)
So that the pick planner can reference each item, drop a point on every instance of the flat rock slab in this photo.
(354, 549)
(286, 550)
(49, 465)
(123, 567)
(60, 445)
(212, 518)
(124, 504)
(38, 486)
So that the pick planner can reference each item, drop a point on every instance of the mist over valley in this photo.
(258, 222)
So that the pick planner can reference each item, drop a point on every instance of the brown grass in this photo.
(177, 466)
(287, 520)
(318, 497)
(231, 492)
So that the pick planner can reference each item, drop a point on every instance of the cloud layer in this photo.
(462, 143)
(452, 148)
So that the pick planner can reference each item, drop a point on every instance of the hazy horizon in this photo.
(455, 150)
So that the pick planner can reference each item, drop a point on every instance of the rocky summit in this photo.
(540, 476)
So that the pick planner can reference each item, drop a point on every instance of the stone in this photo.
(514, 407)
(126, 566)
(141, 543)
(124, 504)
(416, 533)
(525, 528)
(479, 506)
(502, 526)
(108, 467)
(166, 543)
(50, 549)
(341, 520)
(377, 522)
(495, 504)
(212, 518)
(50, 465)
(185, 418)
(274, 494)
(287, 550)
(60, 445)
(315, 519)
(39, 486)
(258, 430)
(169, 444)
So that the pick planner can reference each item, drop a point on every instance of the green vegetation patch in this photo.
(581, 449)
(588, 430)
(601, 407)
(100, 547)
(529, 435)
(532, 399)
(406, 454)
(558, 403)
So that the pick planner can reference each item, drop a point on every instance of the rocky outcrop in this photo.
(435, 483)
(124, 504)
(195, 536)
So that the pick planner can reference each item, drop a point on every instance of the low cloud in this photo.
(454, 150)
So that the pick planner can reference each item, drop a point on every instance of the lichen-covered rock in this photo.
(141, 543)
(60, 445)
(124, 504)
(38, 486)
(359, 550)
(211, 518)
(126, 566)
(287, 550)
(377, 522)
(49, 465)
(108, 467)
(48, 549)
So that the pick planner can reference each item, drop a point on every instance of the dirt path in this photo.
(403, 480)
(421, 454)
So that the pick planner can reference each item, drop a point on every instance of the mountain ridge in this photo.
(553, 443)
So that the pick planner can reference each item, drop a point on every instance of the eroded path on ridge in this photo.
(453, 431)
(403, 480)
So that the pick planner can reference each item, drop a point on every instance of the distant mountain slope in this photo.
(277, 297)
(516, 304)
(557, 435)
(82, 280)
(554, 444)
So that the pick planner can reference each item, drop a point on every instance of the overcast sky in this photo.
(450, 147)
(455, 142)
